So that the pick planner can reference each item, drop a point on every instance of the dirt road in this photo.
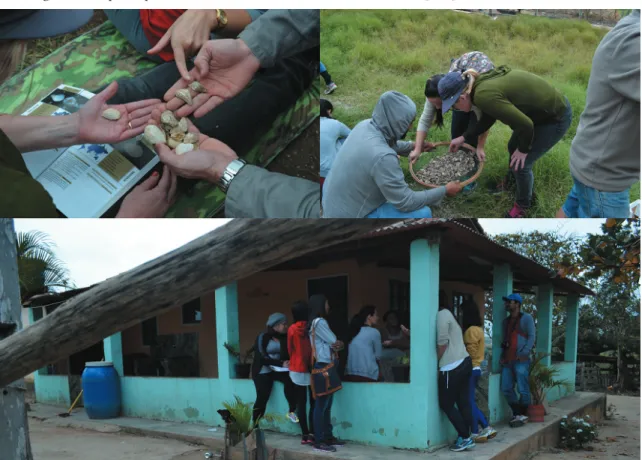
(619, 437)
(49, 442)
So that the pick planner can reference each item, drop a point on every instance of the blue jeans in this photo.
(128, 23)
(512, 373)
(478, 415)
(322, 67)
(322, 416)
(586, 202)
(544, 138)
(388, 211)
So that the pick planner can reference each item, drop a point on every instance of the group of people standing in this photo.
(366, 179)
(289, 355)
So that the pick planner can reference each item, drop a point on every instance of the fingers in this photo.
(198, 99)
(133, 131)
(165, 181)
(166, 155)
(175, 103)
(208, 106)
(107, 93)
(141, 114)
(150, 182)
(169, 95)
(133, 106)
(179, 58)
(171, 195)
(202, 62)
(162, 43)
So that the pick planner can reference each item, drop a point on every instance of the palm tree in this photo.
(39, 269)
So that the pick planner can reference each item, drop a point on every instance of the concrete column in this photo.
(113, 346)
(424, 305)
(502, 287)
(572, 322)
(544, 332)
(227, 329)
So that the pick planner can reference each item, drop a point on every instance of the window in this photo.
(335, 289)
(192, 312)
(149, 331)
(400, 299)
(458, 300)
(37, 314)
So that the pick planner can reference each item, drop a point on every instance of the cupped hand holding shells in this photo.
(223, 68)
(99, 123)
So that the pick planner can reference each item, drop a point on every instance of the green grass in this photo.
(370, 52)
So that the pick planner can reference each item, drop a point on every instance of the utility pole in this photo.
(14, 428)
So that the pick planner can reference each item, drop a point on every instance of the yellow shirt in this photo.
(474, 340)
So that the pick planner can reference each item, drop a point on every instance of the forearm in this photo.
(237, 21)
(481, 140)
(421, 138)
(29, 134)
(404, 148)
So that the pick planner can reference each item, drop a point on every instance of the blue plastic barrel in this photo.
(101, 390)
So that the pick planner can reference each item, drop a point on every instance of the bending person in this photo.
(538, 114)
(332, 135)
(366, 179)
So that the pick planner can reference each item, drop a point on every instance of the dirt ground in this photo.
(49, 443)
(618, 437)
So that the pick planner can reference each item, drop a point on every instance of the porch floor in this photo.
(509, 443)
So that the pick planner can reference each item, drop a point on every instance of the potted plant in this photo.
(541, 380)
(401, 369)
(243, 367)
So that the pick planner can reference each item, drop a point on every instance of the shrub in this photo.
(576, 432)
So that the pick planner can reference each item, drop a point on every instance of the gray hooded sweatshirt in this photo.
(366, 172)
(605, 153)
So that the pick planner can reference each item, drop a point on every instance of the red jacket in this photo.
(299, 347)
(155, 23)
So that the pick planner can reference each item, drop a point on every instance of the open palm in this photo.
(224, 67)
(94, 128)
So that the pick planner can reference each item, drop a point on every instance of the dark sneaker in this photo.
(307, 440)
(516, 421)
(324, 448)
(335, 442)
(462, 445)
(516, 213)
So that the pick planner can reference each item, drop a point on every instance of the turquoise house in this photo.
(401, 267)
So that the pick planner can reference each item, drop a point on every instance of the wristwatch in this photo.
(230, 173)
(221, 19)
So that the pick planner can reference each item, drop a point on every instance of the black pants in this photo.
(460, 122)
(306, 420)
(264, 384)
(326, 77)
(242, 120)
(454, 388)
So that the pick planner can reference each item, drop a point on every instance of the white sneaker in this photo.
(480, 437)
(331, 87)
(490, 432)
(522, 418)
(293, 417)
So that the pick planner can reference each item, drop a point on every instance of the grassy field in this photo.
(370, 52)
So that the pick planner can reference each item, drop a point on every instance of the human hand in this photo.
(95, 129)
(224, 67)
(207, 162)
(405, 330)
(456, 143)
(428, 146)
(186, 37)
(517, 160)
(453, 188)
(286, 364)
(414, 155)
(481, 155)
(152, 198)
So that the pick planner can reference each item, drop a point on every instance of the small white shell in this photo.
(183, 124)
(190, 138)
(184, 148)
(168, 118)
(196, 86)
(173, 143)
(184, 95)
(111, 114)
(154, 135)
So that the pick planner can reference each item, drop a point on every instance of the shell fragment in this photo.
(168, 118)
(190, 138)
(111, 114)
(184, 148)
(196, 86)
(183, 125)
(184, 95)
(154, 135)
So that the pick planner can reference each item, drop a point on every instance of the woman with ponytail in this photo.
(364, 350)
(538, 114)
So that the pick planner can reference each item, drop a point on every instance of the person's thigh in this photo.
(611, 204)
(521, 375)
(546, 136)
(507, 381)
(128, 23)
(571, 206)
(388, 211)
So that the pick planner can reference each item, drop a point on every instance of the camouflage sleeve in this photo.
(278, 34)
(256, 192)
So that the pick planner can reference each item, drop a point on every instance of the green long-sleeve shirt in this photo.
(518, 99)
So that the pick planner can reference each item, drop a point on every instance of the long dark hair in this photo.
(300, 311)
(326, 107)
(432, 90)
(471, 315)
(359, 320)
(316, 306)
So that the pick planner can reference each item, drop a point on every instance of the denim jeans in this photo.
(544, 139)
(516, 372)
(586, 202)
(128, 23)
(388, 211)
(322, 414)
(478, 415)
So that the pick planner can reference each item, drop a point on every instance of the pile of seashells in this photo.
(447, 168)
(172, 131)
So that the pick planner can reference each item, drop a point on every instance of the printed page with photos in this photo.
(86, 180)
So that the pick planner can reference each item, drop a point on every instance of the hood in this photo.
(393, 114)
(300, 328)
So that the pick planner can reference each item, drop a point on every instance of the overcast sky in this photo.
(95, 250)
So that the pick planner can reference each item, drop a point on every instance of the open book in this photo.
(86, 180)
